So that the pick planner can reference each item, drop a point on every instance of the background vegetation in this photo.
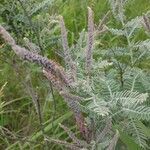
(25, 125)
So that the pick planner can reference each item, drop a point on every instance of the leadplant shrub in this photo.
(107, 88)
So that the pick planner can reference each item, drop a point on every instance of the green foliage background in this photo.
(35, 20)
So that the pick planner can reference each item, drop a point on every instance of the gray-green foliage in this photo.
(118, 86)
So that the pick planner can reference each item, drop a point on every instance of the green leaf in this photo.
(139, 113)
(145, 129)
(128, 140)
(128, 98)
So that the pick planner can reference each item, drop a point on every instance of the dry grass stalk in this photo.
(1, 89)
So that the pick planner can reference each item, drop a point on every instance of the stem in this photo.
(121, 71)
(129, 43)
(54, 102)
